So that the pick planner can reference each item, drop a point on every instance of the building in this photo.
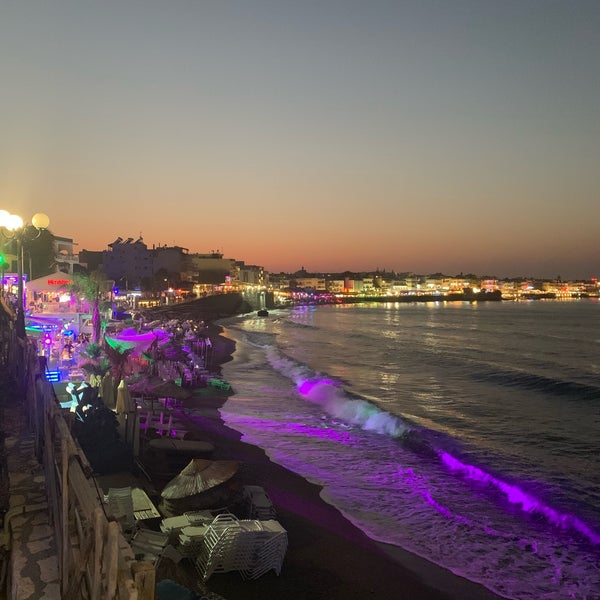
(211, 268)
(249, 275)
(313, 284)
(65, 256)
(93, 260)
(172, 261)
(127, 262)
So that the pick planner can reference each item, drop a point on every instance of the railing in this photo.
(95, 560)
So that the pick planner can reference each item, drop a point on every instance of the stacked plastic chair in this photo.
(189, 529)
(216, 552)
(251, 547)
(191, 539)
(270, 546)
(199, 517)
(258, 503)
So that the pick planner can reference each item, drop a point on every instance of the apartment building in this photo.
(64, 252)
(128, 260)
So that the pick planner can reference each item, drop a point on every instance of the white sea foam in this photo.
(334, 399)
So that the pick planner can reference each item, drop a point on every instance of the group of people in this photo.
(61, 348)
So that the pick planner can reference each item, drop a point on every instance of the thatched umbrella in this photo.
(199, 476)
(155, 387)
(169, 389)
(201, 484)
(145, 384)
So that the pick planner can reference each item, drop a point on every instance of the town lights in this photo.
(12, 227)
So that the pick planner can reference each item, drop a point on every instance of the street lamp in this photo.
(13, 228)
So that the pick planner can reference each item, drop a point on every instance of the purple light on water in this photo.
(517, 496)
(325, 433)
(288, 427)
(443, 510)
(330, 395)
(308, 385)
(413, 481)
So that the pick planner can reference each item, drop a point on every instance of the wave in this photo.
(299, 324)
(518, 529)
(525, 501)
(334, 400)
(332, 397)
(540, 383)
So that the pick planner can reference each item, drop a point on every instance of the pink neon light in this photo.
(517, 496)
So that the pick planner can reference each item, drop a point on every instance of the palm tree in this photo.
(95, 362)
(91, 287)
(118, 357)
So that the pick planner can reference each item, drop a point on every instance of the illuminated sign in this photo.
(58, 282)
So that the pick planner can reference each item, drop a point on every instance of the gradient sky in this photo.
(425, 136)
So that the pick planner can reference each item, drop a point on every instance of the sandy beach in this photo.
(327, 557)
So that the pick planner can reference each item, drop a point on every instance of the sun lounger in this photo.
(176, 446)
(219, 384)
(149, 545)
(130, 505)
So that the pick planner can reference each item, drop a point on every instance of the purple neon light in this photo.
(517, 496)
(288, 427)
(324, 433)
(308, 385)
(413, 481)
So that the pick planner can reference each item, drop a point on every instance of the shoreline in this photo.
(328, 556)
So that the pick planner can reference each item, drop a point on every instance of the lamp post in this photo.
(13, 228)
(2, 262)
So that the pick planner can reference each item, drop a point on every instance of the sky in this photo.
(426, 136)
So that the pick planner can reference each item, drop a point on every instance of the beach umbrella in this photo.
(124, 403)
(199, 476)
(95, 380)
(129, 339)
(144, 385)
(107, 390)
(169, 389)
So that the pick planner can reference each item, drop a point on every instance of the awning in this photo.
(50, 283)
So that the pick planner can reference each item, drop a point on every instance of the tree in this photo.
(95, 362)
(40, 248)
(92, 287)
(118, 357)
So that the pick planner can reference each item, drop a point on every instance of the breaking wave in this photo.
(517, 496)
(334, 399)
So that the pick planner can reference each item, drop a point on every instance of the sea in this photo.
(467, 433)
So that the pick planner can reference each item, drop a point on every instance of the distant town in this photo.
(146, 276)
